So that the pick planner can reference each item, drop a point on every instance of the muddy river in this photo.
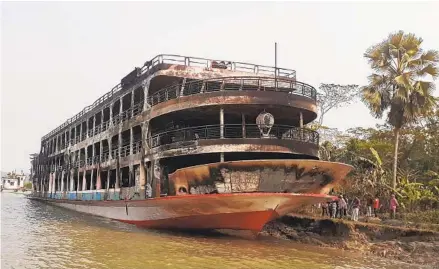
(37, 235)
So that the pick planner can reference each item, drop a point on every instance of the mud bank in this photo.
(405, 244)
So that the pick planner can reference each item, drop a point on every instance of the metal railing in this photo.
(124, 151)
(137, 108)
(137, 146)
(186, 61)
(105, 125)
(283, 132)
(105, 156)
(233, 84)
(114, 153)
(220, 64)
(96, 159)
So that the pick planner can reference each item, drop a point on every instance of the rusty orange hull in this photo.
(239, 211)
(253, 221)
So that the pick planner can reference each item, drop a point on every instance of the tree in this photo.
(397, 86)
(27, 185)
(332, 96)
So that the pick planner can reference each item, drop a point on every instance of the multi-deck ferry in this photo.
(190, 143)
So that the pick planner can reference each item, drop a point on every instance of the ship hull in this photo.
(242, 211)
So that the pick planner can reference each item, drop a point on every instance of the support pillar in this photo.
(130, 175)
(71, 183)
(86, 157)
(77, 183)
(93, 153)
(111, 114)
(222, 130)
(301, 119)
(98, 179)
(132, 103)
(120, 109)
(243, 126)
(181, 93)
(117, 184)
(131, 141)
(110, 149)
(54, 182)
(91, 179)
(84, 180)
(80, 132)
(108, 179)
(156, 177)
(145, 93)
(102, 120)
(142, 177)
(62, 180)
(101, 151)
(119, 145)
(50, 183)
(58, 181)
(145, 138)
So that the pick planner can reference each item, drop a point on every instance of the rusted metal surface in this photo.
(294, 103)
(207, 91)
(297, 176)
(176, 64)
(243, 211)
(205, 132)
(191, 148)
(235, 83)
(235, 145)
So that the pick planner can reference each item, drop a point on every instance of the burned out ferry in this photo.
(190, 143)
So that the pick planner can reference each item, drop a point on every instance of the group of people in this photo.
(339, 208)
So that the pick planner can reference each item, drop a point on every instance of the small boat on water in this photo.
(190, 143)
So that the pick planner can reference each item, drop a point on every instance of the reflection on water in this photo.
(37, 235)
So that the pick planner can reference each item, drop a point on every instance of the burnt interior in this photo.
(221, 122)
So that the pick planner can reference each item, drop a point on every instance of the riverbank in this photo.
(412, 245)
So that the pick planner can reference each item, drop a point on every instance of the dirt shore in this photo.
(406, 244)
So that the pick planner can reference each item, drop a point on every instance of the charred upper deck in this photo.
(175, 107)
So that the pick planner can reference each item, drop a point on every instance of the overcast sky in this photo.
(57, 58)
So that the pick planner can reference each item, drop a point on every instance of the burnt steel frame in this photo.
(250, 131)
(177, 60)
(232, 84)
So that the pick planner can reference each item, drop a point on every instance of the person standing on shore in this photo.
(393, 205)
(376, 206)
(324, 209)
(334, 209)
(329, 205)
(356, 209)
(369, 206)
(342, 205)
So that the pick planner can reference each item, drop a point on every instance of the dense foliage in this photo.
(370, 151)
(402, 156)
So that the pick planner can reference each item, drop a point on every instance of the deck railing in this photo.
(186, 61)
(233, 84)
(283, 132)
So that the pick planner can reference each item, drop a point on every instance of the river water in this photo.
(36, 235)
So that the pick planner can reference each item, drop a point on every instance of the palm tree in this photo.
(397, 85)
